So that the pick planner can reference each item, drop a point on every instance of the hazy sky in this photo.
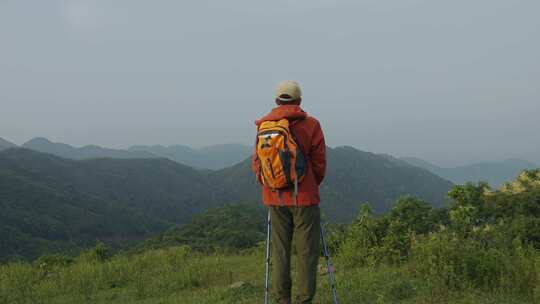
(448, 81)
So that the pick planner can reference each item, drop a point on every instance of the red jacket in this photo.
(310, 137)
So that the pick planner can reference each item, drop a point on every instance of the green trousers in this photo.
(302, 223)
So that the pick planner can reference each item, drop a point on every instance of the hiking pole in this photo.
(329, 266)
(268, 233)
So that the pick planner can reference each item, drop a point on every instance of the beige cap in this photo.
(290, 88)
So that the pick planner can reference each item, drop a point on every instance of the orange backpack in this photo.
(281, 159)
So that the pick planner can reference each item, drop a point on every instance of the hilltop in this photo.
(44, 145)
(209, 157)
(4, 144)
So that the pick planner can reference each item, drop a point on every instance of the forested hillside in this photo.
(231, 226)
(53, 204)
(71, 203)
(482, 248)
(354, 177)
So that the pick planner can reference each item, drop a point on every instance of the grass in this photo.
(176, 275)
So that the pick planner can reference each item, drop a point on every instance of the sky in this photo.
(452, 82)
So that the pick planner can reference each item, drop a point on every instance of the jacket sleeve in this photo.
(317, 154)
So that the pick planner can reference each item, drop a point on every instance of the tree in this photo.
(413, 214)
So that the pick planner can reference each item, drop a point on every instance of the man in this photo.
(295, 211)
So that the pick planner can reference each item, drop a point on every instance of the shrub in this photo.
(395, 245)
(449, 262)
(413, 214)
(361, 242)
(49, 264)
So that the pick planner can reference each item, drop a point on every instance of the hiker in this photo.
(290, 189)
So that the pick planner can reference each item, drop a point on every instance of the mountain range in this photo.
(221, 156)
(495, 173)
(4, 144)
(90, 151)
(210, 157)
(52, 204)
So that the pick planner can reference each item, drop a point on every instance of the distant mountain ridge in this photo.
(4, 144)
(210, 157)
(44, 145)
(495, 173)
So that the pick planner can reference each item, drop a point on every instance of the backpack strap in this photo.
(304, 155)
(256, 156)
(291, 124)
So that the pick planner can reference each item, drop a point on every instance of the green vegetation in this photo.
(54, 205)
(228, 227)
(50, 204)
(483, 248)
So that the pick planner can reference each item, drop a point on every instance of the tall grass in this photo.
(398, 266)
(441, 269)
(154, 273)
